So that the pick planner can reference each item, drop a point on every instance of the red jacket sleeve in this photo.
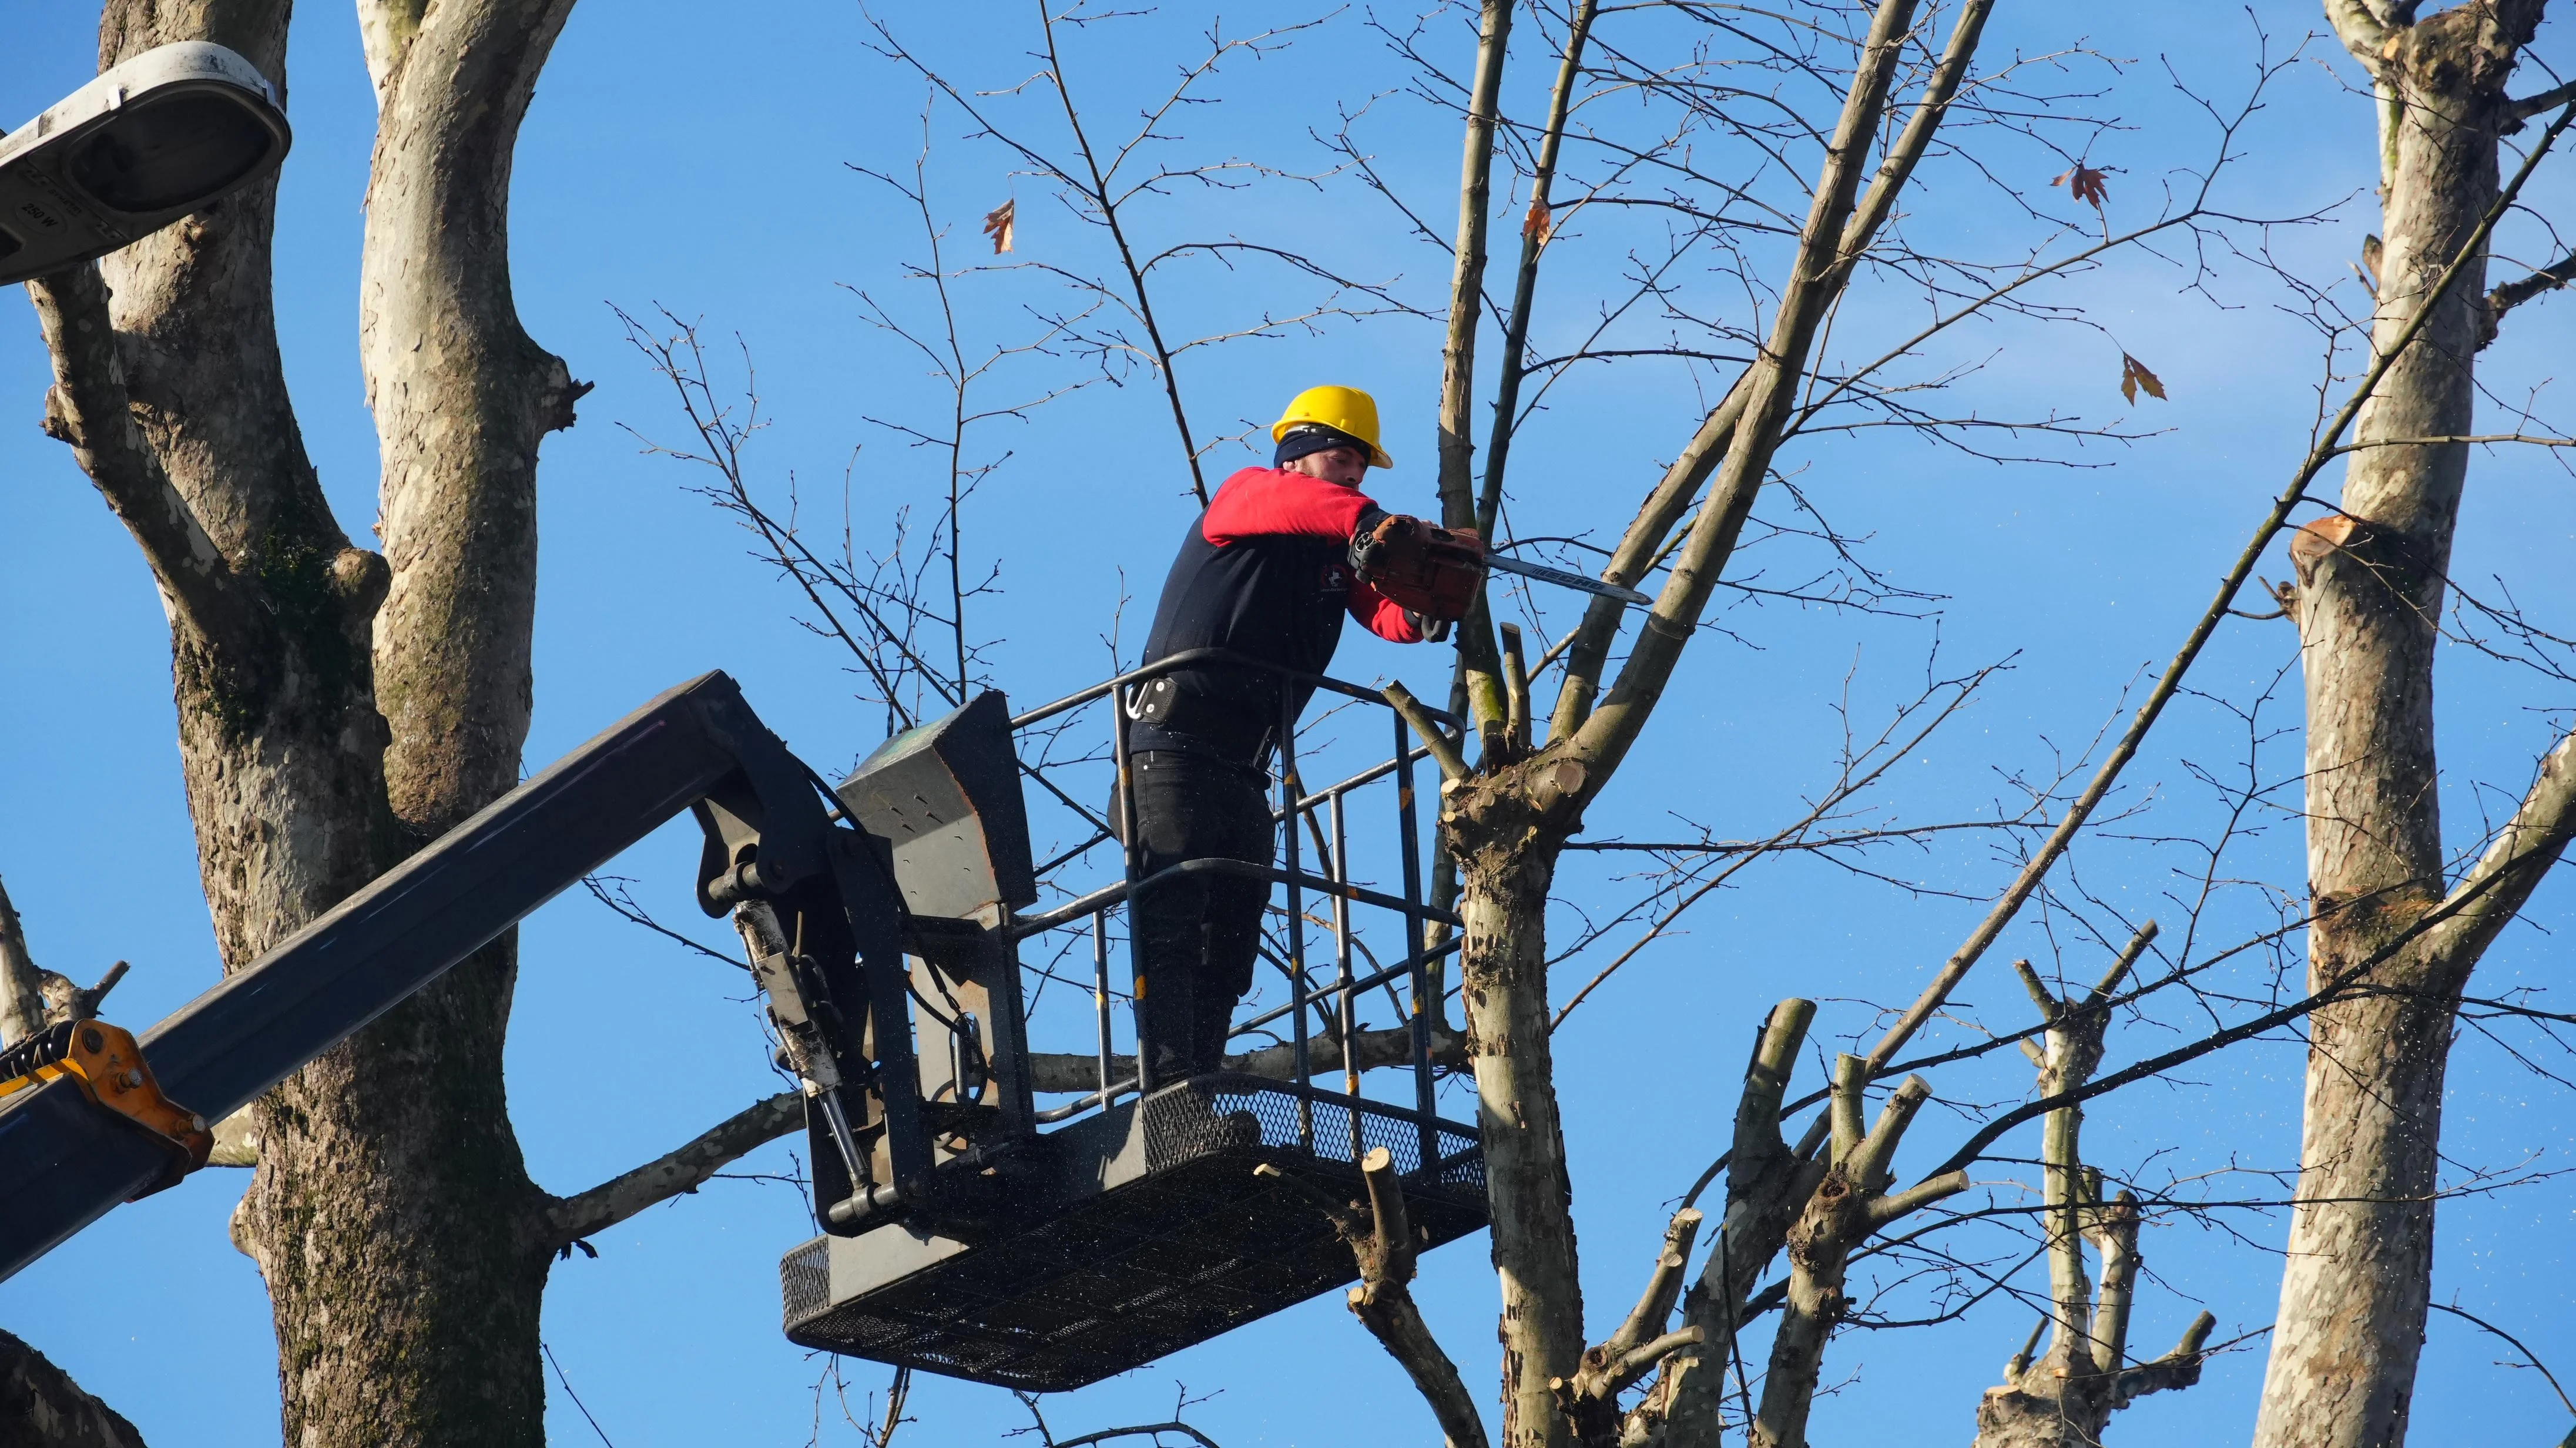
(1382, 615)
(1259, 502)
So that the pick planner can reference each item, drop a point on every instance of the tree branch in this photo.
(2548, 100)
(1444, 753)
(2494, 889)
(41, 1407)
(1604, 739)
(1383, 1244)
(2359, 30)
(1458, 349)
(2327, 444)
(88, 407)
(2513, 294)
(1681, 482)
(1539, 226)
(568, 1219)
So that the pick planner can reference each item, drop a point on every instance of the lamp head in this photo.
(149, 141)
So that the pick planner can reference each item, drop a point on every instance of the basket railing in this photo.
(1325, 812)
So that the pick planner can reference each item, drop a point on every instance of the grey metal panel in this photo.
(887, 1254)
(945, 796)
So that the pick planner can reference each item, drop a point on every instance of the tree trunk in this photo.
(404, 1246)
(2359, 1269)
(1507, 854)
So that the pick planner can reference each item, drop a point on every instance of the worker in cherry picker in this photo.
(1279, 558)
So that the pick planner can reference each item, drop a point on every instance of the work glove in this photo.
(1428, 570)
(1433, 630)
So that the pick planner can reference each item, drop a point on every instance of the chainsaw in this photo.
(1437, 571)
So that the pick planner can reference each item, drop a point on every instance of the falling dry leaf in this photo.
(998, 224)
(2134, 375)
(1540, 225)
(2085, 184)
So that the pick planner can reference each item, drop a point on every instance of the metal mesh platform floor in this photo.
(1163, 1237)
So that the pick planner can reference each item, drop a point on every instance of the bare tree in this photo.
(338, 707)
(2368, 605)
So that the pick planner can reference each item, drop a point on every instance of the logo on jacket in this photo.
(1337, 578)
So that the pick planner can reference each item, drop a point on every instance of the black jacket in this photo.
(1265, 572)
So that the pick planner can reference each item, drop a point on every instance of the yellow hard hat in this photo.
(1343, 409)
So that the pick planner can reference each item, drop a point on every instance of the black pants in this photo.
(1198, 935)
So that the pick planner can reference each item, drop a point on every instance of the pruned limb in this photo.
(1444, 753)
(2112, 1227)
(1516, 693)
(1922, 1194)
(1590, 1399)
(1663, 1285)
(32, 997)
(41, 1407)
(2179, 1368)
(2066, 1397)
(1382, 1242)
(88, 407)
(1765, 1188)
(1845, 1208)
(569, 1219)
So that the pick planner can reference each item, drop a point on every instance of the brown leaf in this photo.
(2084, 184)
(2134, 375)
(1540, 224)
(999, 223)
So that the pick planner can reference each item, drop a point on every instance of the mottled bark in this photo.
(403, 1243)
(1506, 843)
(2359, 1269)
(41, 1407)
(22, 982)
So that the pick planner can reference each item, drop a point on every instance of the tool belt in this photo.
(1234, 711)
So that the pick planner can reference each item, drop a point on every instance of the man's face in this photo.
(1342, 465)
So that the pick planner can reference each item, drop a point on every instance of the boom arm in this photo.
(65, 1160)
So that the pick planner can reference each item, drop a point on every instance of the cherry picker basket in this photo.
(1158, 1235)
(1044, 1260)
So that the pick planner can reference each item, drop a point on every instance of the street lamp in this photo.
(146, 143)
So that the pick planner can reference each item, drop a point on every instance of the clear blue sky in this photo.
(705, 168)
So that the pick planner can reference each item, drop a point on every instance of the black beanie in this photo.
(1314, 437)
